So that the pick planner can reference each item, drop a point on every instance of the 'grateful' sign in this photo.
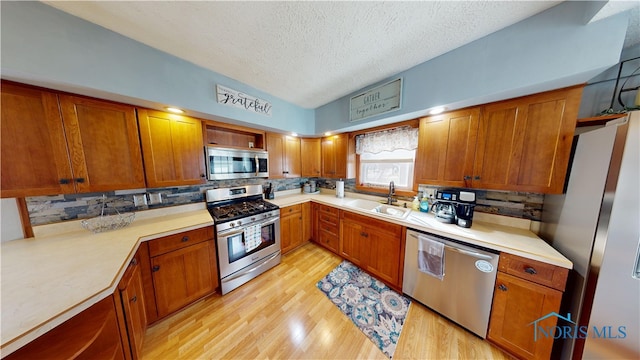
(240, 100)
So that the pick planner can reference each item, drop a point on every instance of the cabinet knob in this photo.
(530, 270)
(502, 287)
(364, 234)
(155, 268)
(185, 239)
(134, 261)
(477, 177)
(134, 298)
(79, 180)
(64, 181)
(467, 177)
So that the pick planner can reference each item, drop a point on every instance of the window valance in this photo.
(405, 137)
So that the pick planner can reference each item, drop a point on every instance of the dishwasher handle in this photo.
(460, 250)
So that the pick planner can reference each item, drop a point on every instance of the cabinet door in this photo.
(329, 166)
(132, 295)
(354, 243)
(290, 228)
(275, 147)
(183, 276)
(447, 148)
(292, 157)
(311, 154)
(172, 147)
(340, 152)
(34, 156)
(385, 252)
(103, 144)
(516, 304)
(524, 144)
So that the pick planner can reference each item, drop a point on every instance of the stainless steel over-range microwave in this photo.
(226, 163)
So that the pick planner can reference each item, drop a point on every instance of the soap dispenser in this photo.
(415, 205)
(424, 204)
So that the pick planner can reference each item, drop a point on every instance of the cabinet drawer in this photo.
(293, 209)
(329, 210)
(180, 240)
(535, 271)
(329, 240)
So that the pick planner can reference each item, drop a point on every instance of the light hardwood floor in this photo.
(282, 315)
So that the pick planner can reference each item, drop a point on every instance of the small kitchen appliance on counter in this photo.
(454, 206)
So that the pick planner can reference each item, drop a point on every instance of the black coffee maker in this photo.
(454, 206)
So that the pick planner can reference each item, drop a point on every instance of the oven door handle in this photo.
(263, 262)
(257, 165)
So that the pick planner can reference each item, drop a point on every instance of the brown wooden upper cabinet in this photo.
(172, 147)
(311, 152)
(57, 144)
(521, 144)
(284, 156)
(336, 155)
(447, 148)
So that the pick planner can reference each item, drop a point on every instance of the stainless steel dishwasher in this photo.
(465, 292)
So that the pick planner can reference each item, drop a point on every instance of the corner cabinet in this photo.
(338, 157)
(284, 156)
(53, 143)
(92, 334)
(172, 147)
(525, 291)
(311, 153)
(521, 144)
(131, 296)
(183, 268)
(373, 245)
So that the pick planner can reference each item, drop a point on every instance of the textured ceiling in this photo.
(308, 53)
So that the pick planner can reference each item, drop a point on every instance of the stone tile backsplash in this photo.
(58, 208)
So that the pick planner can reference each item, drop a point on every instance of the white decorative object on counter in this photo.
(104, 222)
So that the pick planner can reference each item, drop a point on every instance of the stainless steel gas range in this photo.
(247, 233)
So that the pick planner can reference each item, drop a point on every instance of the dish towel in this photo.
(252, 237)
(431, 257)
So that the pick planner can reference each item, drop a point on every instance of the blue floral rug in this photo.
(376, 309)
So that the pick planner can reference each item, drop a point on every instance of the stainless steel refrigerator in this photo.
(596, 224)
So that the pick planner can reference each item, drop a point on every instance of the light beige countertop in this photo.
(65, 269)
(487, 230)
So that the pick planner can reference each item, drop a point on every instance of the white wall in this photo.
(10, 224)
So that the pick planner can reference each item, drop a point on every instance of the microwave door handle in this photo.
(257, 165)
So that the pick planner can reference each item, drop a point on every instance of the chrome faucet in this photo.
(392, 191)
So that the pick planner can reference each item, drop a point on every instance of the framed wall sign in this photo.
(381, 99)
(240, 100)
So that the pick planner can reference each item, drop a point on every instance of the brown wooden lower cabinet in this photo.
(526, 291)
(373, 245)
(92, 334)
(326, 227)
(294, 226)
(130, 294)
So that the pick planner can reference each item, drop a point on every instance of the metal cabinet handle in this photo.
(477, 177)
(64, 181)
(185, 239)
(155, 268)
(79, 180)
(134, 298)
(364, 234)
(134, 262)
(502, 287)
(467, 177)
(530, 270)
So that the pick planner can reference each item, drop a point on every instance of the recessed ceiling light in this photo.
(175, 110)
(437, 110)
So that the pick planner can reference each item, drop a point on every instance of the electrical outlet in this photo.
(430, 192)
(140, 199)
(155, 198)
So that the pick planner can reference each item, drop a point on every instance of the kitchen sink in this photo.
(381, 209)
